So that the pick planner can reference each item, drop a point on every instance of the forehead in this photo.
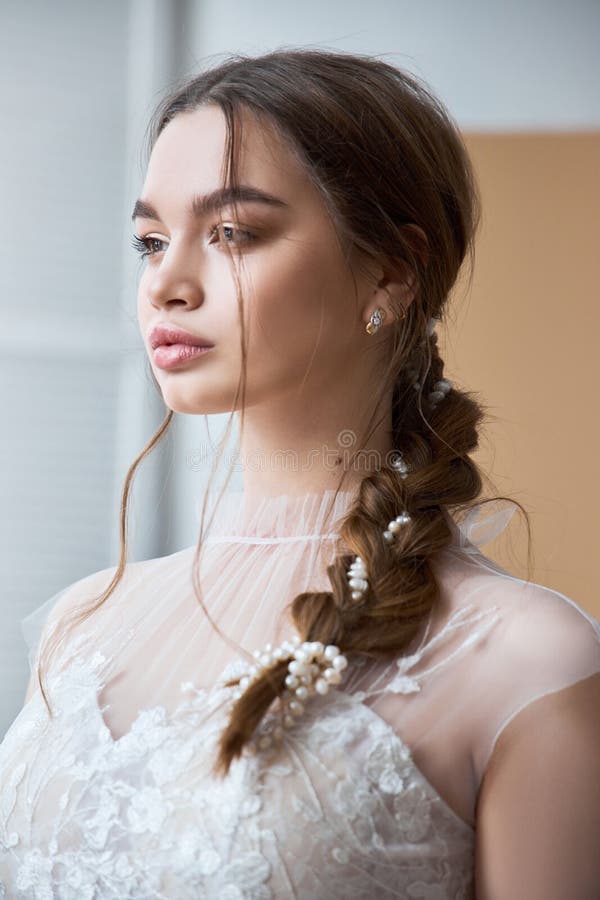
(190, 153)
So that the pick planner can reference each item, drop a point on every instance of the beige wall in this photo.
(526, 337)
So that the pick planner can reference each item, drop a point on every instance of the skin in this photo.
(538, 811)
(312, 369)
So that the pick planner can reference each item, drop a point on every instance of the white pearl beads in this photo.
(400, 465)
(432, 325)
(440, 389)
(357, 571)
(395, 526)
(313, 669)
(357, 578)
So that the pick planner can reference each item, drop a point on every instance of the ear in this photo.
(397, 286)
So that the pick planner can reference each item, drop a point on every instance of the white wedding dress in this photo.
(371, 793)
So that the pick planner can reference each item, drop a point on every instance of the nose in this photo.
(175, 281)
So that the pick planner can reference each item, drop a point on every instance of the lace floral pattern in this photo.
(337, 810)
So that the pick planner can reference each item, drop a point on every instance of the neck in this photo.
(297, 449)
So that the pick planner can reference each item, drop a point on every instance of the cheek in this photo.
(298, 306)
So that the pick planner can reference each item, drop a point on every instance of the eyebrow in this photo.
(202, 204)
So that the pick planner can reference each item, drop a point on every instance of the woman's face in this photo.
(303, 325)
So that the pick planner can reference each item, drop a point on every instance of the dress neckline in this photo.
(316, 516)
(275, 518)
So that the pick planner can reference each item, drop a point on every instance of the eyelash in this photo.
(140, 244)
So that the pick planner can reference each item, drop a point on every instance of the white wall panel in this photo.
(510, 65)
(77, 82)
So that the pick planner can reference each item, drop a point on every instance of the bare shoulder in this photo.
(538, 809)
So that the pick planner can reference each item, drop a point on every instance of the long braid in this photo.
(402, 587)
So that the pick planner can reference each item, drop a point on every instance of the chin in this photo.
(197, 404)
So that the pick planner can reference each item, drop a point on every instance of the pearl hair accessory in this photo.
(442, 387)
(313, 669)
(357, 572)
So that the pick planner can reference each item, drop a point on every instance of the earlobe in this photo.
(379, 314)
(376, 320)
(394, 294)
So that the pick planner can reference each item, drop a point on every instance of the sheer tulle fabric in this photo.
(424, 726)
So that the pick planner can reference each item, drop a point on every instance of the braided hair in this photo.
(402, 588)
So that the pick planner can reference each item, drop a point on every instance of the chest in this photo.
(338, 809)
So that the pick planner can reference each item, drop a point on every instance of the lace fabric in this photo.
(372, 792)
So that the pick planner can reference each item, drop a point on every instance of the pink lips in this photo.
(173, 347)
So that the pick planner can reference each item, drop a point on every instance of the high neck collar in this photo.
(316, 515)
(277, 516)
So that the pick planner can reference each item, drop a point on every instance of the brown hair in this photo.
(397, 181)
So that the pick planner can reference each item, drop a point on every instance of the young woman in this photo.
(335, 693)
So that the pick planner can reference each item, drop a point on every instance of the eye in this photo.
(146, 246)
(246, 236)
(150, 246)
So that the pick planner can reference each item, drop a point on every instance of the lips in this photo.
(164, 335)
